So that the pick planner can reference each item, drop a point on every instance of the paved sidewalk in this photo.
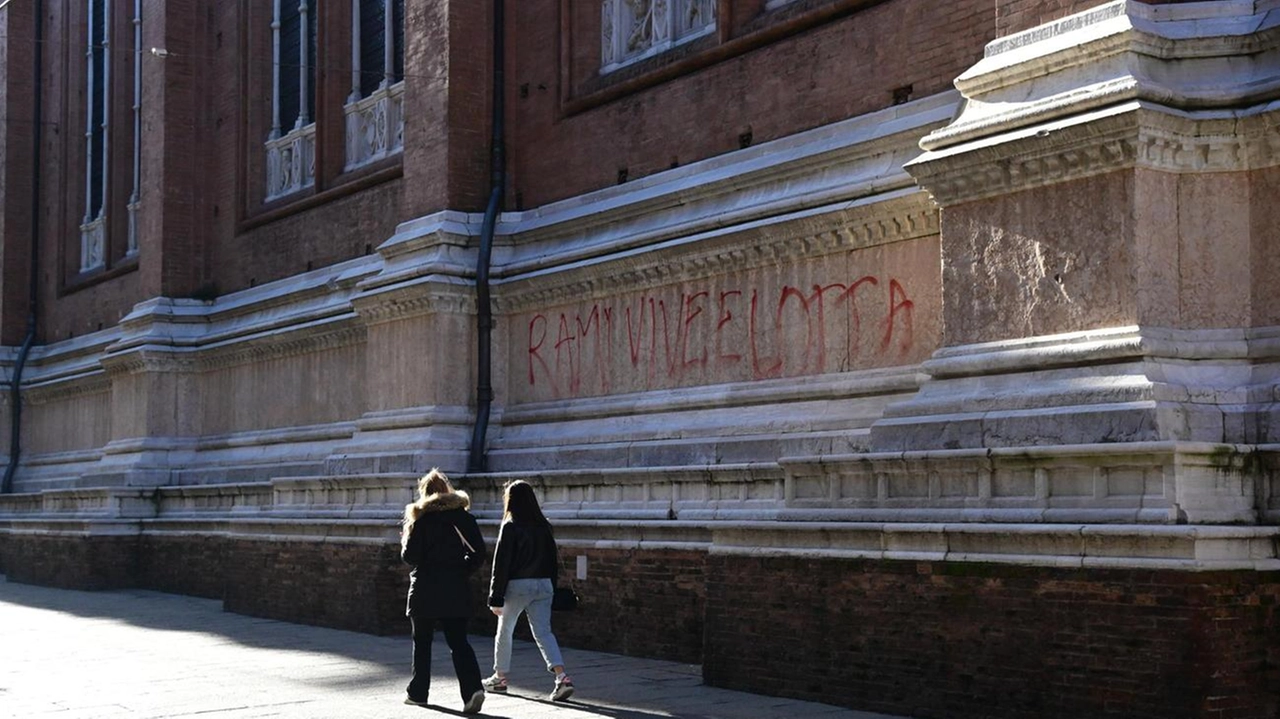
(97, 655)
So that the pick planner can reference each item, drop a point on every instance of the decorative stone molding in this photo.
(106, 503)
(649, 493)
(434, 294)
(849, 163)
(834, 188)
(291, 162)
(891, 218)
(61, 391)
(1133, 483)
(212, 500)
(730, 509)
(149, 360)
(293, 342)
(347, 496)
(1096, 92)
(375, 126)
(285, 435)
(1134, 134)
(1063, 545)
(93, 244)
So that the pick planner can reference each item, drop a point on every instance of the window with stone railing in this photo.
(291, 152)
(375, 108)
(632, 30)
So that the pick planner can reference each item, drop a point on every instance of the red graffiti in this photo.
(792, 335)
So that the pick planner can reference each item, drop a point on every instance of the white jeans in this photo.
(533, 597)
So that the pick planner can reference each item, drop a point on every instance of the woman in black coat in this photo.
(443, 543)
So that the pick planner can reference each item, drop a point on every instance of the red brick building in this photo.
(916, 357)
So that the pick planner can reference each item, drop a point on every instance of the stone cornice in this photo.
(896, 216)
(66, 389)
(1119, 86)
(827, 167)
(149, 359)
(1116, 53)
(430, 294)
(327, 336)
(1129, 135)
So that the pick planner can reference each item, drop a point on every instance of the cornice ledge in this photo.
(844, 162)
(437, 244)
(291, 342)
(149, 358)
(1128, 135)
(1226, 57)
(65, 388)
(426, 294)
(900, 215)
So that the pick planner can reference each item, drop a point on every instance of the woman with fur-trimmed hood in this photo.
(441, 540)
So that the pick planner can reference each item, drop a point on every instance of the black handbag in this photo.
(564, 599)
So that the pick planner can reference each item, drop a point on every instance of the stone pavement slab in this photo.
(139, 654)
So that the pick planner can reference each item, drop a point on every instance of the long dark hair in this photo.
(520, 505)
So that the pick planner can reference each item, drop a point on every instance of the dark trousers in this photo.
(465, 665)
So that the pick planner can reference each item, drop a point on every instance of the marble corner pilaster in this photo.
(441, 245)
(1118, 86)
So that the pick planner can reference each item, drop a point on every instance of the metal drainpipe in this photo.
(15, 398)
(478, 461)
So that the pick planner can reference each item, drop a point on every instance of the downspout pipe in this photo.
(15, 391)
(477, 461)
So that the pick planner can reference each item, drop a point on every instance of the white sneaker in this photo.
(495, 683)
(563, 689)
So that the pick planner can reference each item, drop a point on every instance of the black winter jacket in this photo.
(524, 551)
(438, 586)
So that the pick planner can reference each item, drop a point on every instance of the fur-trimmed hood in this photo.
(456, 499)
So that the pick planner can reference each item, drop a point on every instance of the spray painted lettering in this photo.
(681, 337)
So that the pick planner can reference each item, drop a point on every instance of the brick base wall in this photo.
(646, 603)
(89, 562)
(638, 603)
(358, 587)
(926, 639)
(964, 640)
(191, 565)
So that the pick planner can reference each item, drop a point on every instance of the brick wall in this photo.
(359, 587)
(187, 564)
(962, 640)
(95, 562)
(647, 603)
(641, 603)
(839, 69)
(16, 67)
